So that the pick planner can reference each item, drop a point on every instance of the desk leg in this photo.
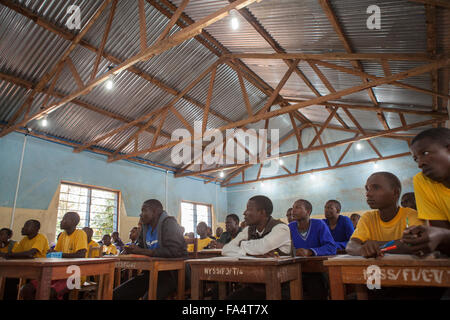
(108, 283)
(337, 287)
(273, 285)
(296, 285)
(101, 286)
(153, 283)
(196, 284)
(44, 283)
(2, 287)
(181, 284)
(117, 279)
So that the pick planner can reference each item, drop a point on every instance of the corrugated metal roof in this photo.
(28, 51)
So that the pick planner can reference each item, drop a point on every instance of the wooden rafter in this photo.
(208, 99)
(332, 56)
(75, 73)
(156, 49)
(142, 25)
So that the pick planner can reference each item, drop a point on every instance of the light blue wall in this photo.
(344, 184)
(46, 164)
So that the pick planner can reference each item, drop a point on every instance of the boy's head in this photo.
(289, 215)
(259, 208)
(89, 233)
(409, 201)
(190, 235)
(134, 234)
(70, 221)
(431, 151)
(209, 231)
(301, 210)
(231, 223)
(5, 235)
(332, 209)
(202, 229)
(355, 218)
(383, 190)
(151, 210)
(106, 239)
(115, 236)
(31, 228)
(219, 231)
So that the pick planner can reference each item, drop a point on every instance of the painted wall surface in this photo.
(344, 184)
(46, 164)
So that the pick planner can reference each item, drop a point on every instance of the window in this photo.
(97, 208)
(194, 213)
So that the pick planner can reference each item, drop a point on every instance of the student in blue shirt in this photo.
(341, 227)
(311, 237)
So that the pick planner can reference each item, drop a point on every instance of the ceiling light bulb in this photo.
(280, 162)
(44, 121)
(109, 84)
(359, 146)
(234, 20)
(222, 174)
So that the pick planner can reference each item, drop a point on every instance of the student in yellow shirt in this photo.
(91, 243)
(6, 244)
(386, 222)
(108, 247)
(33, 244)
(204, 240)
(431, 151)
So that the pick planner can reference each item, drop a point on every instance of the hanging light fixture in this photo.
(109, 84)
(221, 174)
(234, 19)
(44, 120)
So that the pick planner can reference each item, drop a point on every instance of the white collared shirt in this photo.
(279, 237)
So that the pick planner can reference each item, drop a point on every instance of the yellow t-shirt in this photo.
(432, 198)
(203, 243)
(72, 244)
(111, 249)
(93, 244)
(5, 249)
(39, 242)
(371, 227)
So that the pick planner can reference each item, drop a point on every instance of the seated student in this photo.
(311, 237)
(108, 247)
(91, 243)
(289, 215)
(431, 151)
(232, 230)
(204, 240)
(408, 201)
(386, 222)
(134, 235)
(264, 236)
(161, 236)
(341, 227)
(355, 219)
(6, 244)
(219, 232)
(32, 245)
(72, 243)
(115, 239)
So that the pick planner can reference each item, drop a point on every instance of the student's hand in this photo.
(423, 239)
(371, 249)
(130, 249)
(51, 250)
(219, 245)
(301, 252)
(212, 244)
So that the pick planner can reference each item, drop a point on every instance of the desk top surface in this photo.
(138, 257)
(387, 260)
(45, 262)
(252, 261)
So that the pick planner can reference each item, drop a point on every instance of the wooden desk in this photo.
(401, 271)
(45, 270)
(153, 265)
(271, 272)
(314, 264)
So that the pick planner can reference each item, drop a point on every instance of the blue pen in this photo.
(387, 244)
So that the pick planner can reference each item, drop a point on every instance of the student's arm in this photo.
(79, 254)
(233, 248)
(370, 248)
(22, 255)
(278, 237)
(425, 239)
(327, 244)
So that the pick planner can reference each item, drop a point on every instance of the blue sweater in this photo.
(318, 238)
(342, 232)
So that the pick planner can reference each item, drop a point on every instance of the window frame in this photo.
(195, 203)
(90, 187)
